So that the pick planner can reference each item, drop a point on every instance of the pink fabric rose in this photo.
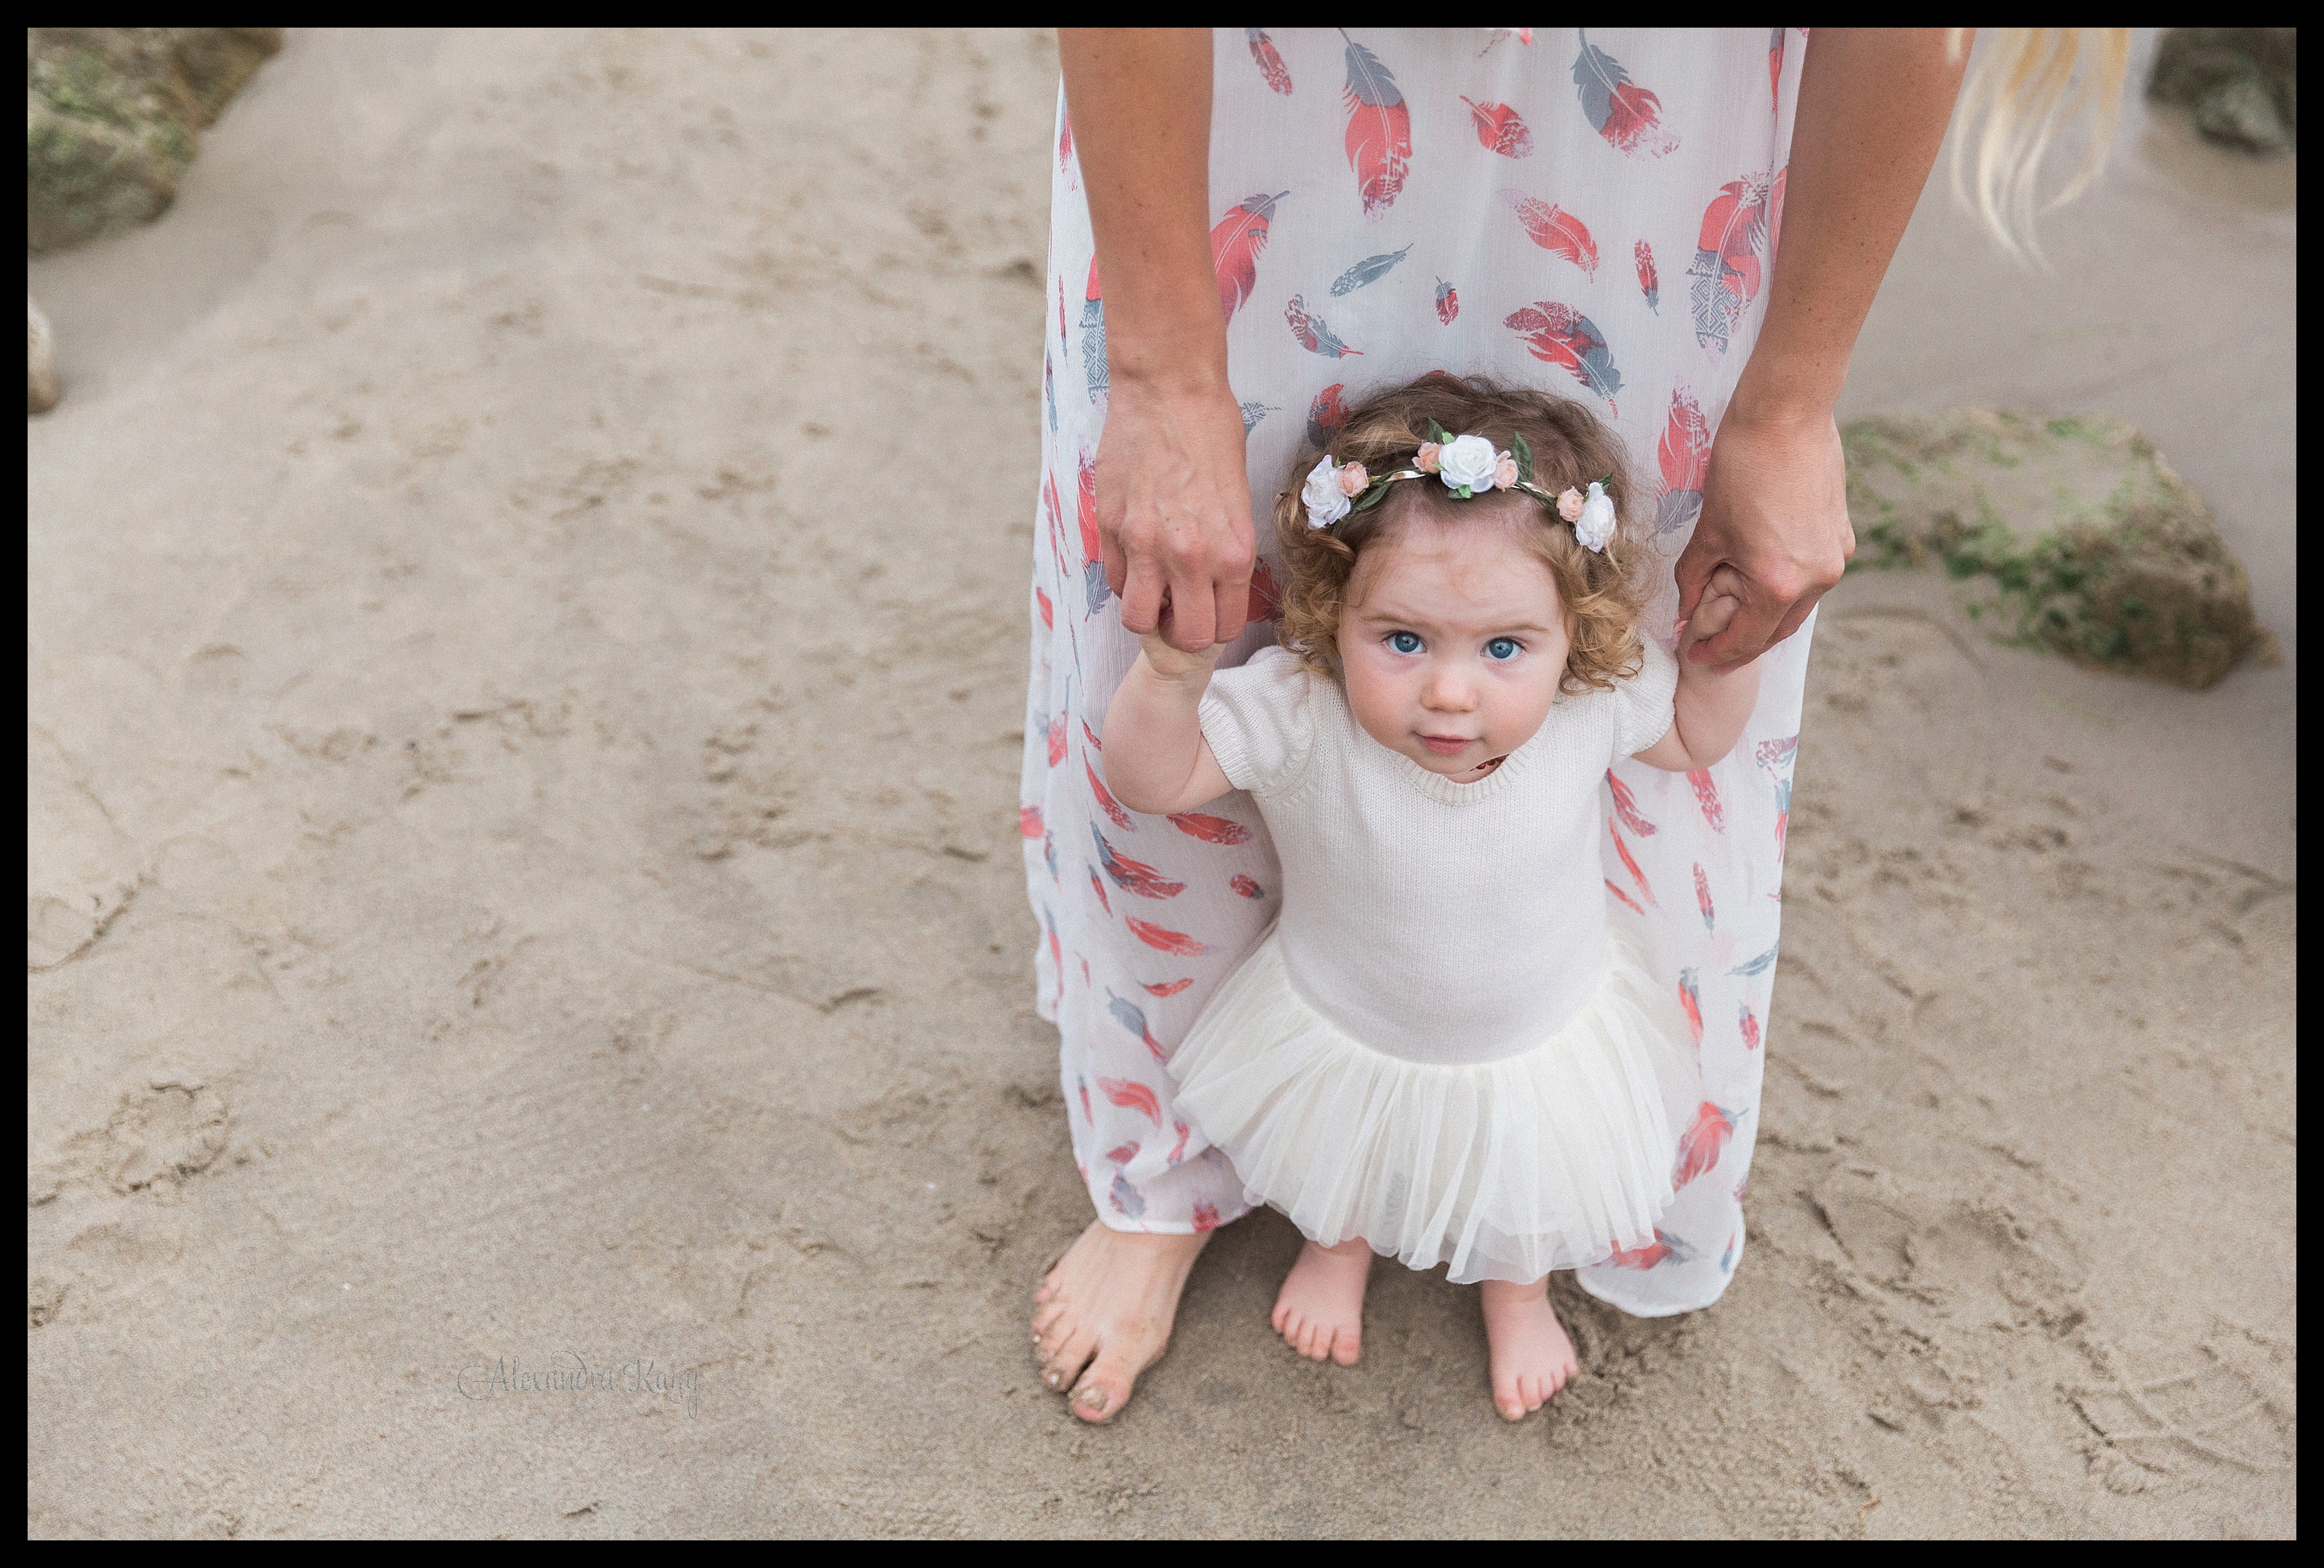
(1426, 460)
(1505, 472)
(1569, 504)
(1352, 480)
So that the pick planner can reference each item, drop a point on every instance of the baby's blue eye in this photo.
(1501, 648)
(1404, 642)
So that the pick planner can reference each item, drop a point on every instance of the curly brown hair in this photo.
(1602, 593)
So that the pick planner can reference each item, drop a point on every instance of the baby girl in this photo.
(1447, 1049)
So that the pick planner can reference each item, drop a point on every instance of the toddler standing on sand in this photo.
(1447, 1048)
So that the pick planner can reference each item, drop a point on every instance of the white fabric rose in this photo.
(1595, 526)
(1321, 494)
(1467, 463)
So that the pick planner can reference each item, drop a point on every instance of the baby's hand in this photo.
(1173, 664)
(1712, 615)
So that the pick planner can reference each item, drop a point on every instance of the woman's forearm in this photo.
(1139, 100)
(1873, 106)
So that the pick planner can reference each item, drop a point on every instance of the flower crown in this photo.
(1469, 466)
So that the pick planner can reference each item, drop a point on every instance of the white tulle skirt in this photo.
(1552, 1158)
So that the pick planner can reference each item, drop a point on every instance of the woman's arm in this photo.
(1173, 495)
(1157, 759)
(1775, 532)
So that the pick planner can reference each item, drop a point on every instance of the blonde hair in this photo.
(1599, 592)
(2022, 87)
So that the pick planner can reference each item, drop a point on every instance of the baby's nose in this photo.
(1449, 693)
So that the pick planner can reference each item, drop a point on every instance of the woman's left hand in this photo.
(1774, 532)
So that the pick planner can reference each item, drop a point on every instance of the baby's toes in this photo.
(1346, 1345)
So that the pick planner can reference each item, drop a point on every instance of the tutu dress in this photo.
(1447, 1043)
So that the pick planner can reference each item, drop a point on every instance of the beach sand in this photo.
(527, 640)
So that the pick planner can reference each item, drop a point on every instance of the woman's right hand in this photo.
(1173, 509)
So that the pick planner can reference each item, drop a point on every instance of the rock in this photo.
(111, 117)
(40, 361)
(2067, 533)
(2241, 82)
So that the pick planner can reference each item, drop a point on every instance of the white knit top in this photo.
(1434, 921)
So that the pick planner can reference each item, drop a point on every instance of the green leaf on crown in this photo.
(1523, 454)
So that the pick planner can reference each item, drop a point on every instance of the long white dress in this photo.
(1592, 211)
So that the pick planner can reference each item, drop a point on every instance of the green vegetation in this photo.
(2071, 534)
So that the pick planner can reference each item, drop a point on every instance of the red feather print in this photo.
(1179, 1149)
(1748, 1022)
(1133, 876)
(1246, 887)
(1706, 795)
(1621, 895)
(1270, 62)
(1700, 1146)
(1660, 1249)
(1082, 1087)
(1122, 1154)
(1627, 115)
(1095, 589)
(1727, 268)
(1162, 941)
(1106, 802)
(1685, 454)
(1206, 1217)
(1168, 987)
(1379, 129)
(1500, 130)
(1690, 1000)
(1701, 896)
(1048, 611)
(1630, 866)
(1102, 901)
(1565, 336)
(1064, 140)
(1555, 230)
(1235, 245)
(1626, 807)
(1326, 416)
(1448, 302)
(1775, 214)
(1650, 283)
(1090, 735)
(1314, 335)
(1134, 1095)
(1266, 592)
(1061, 312)
(1057, 740)
(1028, 822)
(1210, 829)
(1776, 70)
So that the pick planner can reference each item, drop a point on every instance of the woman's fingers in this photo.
(1193, 614)
(1142, 595)
(1230, 602)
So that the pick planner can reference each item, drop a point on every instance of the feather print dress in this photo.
(1387, 202)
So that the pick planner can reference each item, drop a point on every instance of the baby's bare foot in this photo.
(1320, 1311)
(1532, 1357)
(1103, 1314)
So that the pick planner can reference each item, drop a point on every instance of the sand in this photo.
(527, 641)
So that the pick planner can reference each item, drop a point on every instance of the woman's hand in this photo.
(1174, 511)
(1774, 532)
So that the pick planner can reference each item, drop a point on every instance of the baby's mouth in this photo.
(1448, 745)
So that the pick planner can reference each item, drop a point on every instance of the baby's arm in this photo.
(1156, 758)
(1712, 708)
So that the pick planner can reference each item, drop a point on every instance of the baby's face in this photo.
(1453, 642)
